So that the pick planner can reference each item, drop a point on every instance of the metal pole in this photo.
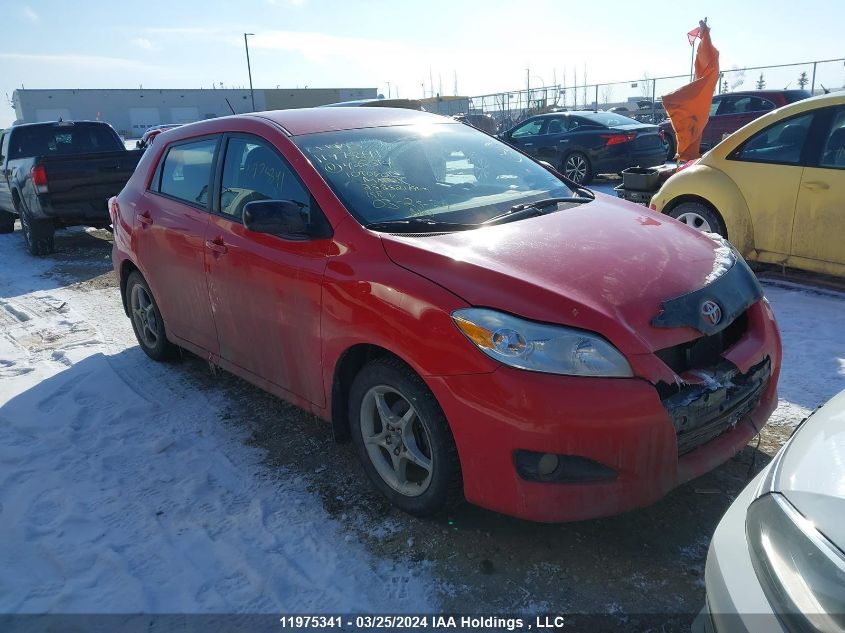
(249, 70)
(527, 90)
(596, 109)
(654, 101)
(692, 63)
(813, 84)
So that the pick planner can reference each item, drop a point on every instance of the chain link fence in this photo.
(641, 98)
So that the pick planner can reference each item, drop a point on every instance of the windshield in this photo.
(443, 172)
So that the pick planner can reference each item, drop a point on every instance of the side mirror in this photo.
(284, 218)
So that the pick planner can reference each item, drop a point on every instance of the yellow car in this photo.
(775, 188)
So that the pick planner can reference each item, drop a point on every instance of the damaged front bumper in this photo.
(703, 411)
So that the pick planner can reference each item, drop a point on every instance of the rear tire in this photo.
(7, 222)
(146, 319)
(576, 166)
(669, 146)
(38, 234)
(699, 216)
(403, 439)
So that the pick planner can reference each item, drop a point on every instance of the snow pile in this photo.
(122, 490)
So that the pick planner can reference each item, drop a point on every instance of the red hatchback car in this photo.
(479, 326)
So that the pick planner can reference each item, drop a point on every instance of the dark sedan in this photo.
(583, 144)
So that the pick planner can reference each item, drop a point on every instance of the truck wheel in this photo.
(7, 222)
(403, 439)
(146, 319)
(38, 234)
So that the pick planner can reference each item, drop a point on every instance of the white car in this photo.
(777, 560)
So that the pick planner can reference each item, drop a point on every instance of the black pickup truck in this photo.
(59, 174)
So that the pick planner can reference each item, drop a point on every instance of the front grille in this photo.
(705, 351)
(702, 412)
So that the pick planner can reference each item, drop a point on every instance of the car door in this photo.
(718, 123)
(767, 168)
(524, 136)
(550, 145)
(5, 191)
(171, 221)
(265, 290)
(820, 211)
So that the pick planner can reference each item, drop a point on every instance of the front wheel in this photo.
(403, 439)
(577, 168)
(146, 319)
(700, 217)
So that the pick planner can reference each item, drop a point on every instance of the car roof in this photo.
(312, 120)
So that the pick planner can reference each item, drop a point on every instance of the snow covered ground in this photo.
(125, 488)
(122, 489)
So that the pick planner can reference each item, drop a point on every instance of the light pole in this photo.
(249, 70)
(388, 90)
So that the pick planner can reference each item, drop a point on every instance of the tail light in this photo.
(618, 139)
(652, 206)
(39, 178)
(689, 163)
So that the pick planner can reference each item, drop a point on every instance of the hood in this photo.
(811, 470)
(604, 266)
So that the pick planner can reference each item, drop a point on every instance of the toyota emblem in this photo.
(712, 312)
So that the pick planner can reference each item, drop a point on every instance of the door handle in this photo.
(217, 246)
(145, 218)
(816, 185)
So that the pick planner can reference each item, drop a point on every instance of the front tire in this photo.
(577, 167)
(403, 439)
(146, 319)
(700, 217)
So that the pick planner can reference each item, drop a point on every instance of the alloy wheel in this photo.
(575, 168)
(396, 440)
(144, 315)
(695, 221)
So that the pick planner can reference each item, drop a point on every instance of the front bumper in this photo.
(620, 423)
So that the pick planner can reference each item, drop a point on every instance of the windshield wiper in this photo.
(530, 209)
(418, 225)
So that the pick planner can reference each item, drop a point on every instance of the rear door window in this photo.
(186, 171)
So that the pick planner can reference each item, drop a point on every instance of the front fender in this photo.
(714, 187)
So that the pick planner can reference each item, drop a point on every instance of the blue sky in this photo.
(328, 43)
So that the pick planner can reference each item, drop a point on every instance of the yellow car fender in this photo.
(716, 189)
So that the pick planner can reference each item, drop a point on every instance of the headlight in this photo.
(800, 571)
(552, 349)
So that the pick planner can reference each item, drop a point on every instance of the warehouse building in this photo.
(131, 111)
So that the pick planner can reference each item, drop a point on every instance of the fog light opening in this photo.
(548, 464)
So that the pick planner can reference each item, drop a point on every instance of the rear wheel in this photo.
(699, 216)
(7, 222)
(146, 319)
(669, 146)
(577, 167)
(38, 234)
(403, 439)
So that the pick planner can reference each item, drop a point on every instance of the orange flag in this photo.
(689, 107)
